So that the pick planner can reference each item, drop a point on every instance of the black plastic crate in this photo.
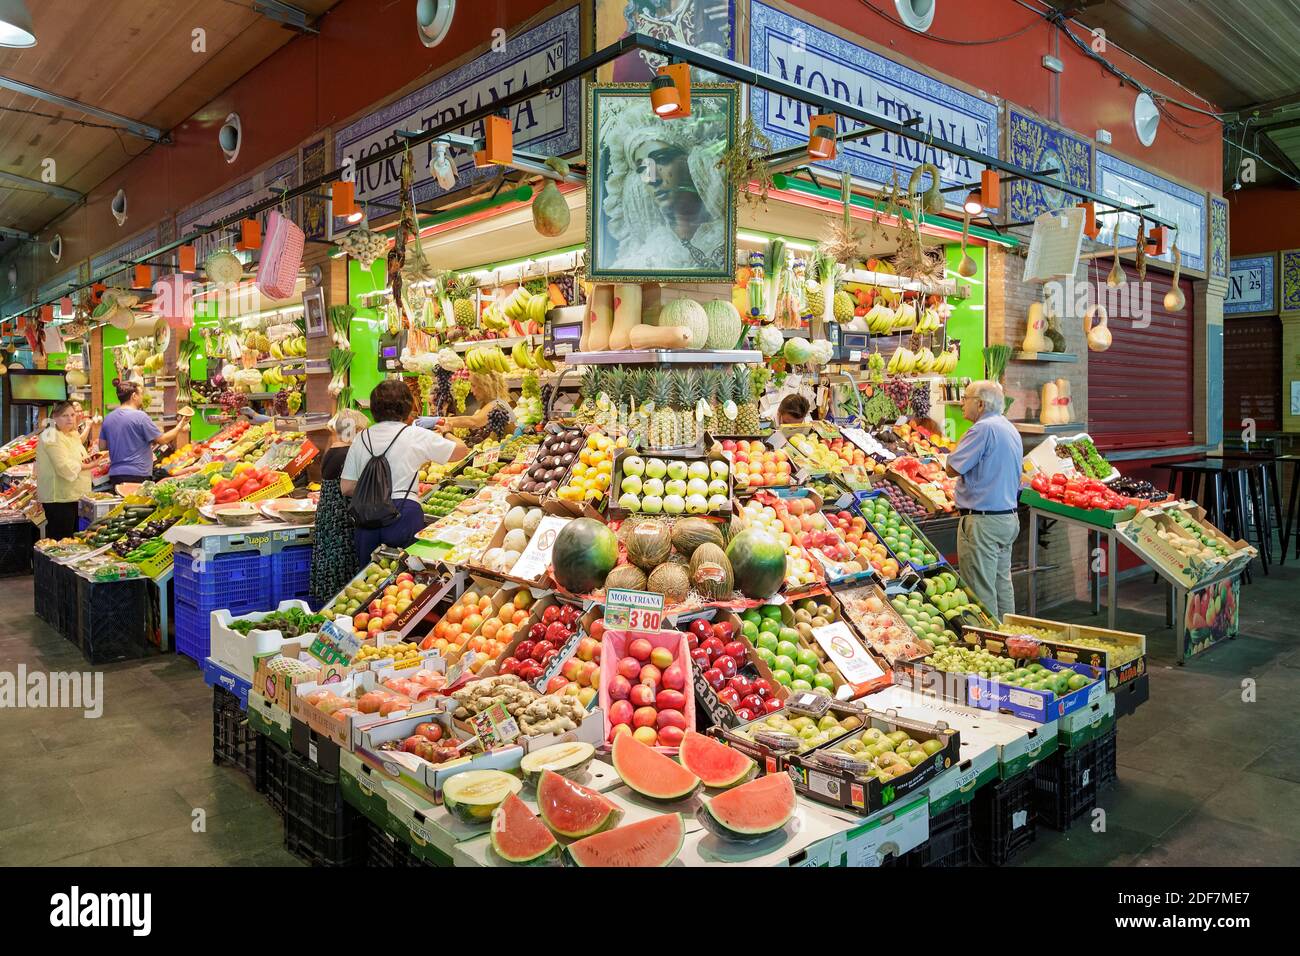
(1065, 786)
(949, 843)
(234, 742)
(1107, 751)
(16, 541)
(114, 619)
(1002, 820)
(385, 850)
(272, 773)
(1132, 695)
(43, 589)
(318, 826)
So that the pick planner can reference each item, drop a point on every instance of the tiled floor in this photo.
(1204, 777)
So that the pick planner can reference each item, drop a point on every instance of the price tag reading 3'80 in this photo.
(633, 610)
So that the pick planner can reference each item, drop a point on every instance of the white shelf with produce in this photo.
(666, 357)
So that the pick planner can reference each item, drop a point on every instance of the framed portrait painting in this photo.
(659, 206)
(313, 309)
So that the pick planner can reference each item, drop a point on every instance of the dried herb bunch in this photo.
(746, 162)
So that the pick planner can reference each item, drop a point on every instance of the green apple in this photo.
(799, 684)
(652, 486)
(823, 681)
(631, 483)
(655, 468)
(789, 649)
(675, 487)
(765, 640)
(802, 672)
(765, 655)
(652, 504)
(633, 465)
(677, 470)
(784, 663)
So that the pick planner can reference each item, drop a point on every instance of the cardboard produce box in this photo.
(615, 511)
(717, 712)
(1124, 662)
(1152, 533)
(828, 773)
(774, 751)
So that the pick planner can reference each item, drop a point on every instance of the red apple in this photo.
(641, 696)
(701, 628)
(723, 630)
(524, 649)
(617, 729)
(620, 712)
(670, 700)
(411, 742)
(692, 642)
(773, 704)
(644, 717)
(640, 649)
(713, 646)
(630, 668)
(735, 649)
(713, 677)
(700, 657)
(729, 697)
(753, 702)
(551, 614)
(430, 731)
(571, 668)
(558, 633)
(589, 674)
(742, 685)
(651, 675)
(556, 683)
(597, 630)
(537, 632)
(671, 736)
(727, 665)
(620, 688)
(675, 677)
(745, 714)
(763, 688)
(588, 649)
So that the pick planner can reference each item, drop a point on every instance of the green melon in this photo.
(627, 577)
(711, 573)
(585, 552)
(670, 580)
(648, 544)
(724, 324)
(691, 315)
(758, 563)
(472, 795)
(690, 533)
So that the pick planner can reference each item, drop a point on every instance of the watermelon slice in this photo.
(717, 765)
(519, 837)
(652, 842)
(751, 811)
(572, 810)
(651, 773)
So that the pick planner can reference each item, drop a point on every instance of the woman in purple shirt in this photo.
(129, 436)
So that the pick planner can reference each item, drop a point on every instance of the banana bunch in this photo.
(493, 319)
(880, 318)
(530, 358)
(902, 362)
(928, 321)
(945, 362)
(486, 360)
(293, 347)
(524, 306)
(904, 317)
(924, 362)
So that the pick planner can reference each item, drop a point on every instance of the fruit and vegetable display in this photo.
(877, 753)
(814, 534)
(771, 533)
(520, 523)
(403, 652)
(945, 592)
(650, 694)
(535, 713)
(1085, 493)
(754, 465)
(672, 486)
(441, 501)
(870, 551)
(902, 502)
(475, 632)
(722, 658)
(579, 676)
(348, 601)
(469, 528)
(1136, 488)
(558, 451)
(1005, 670)
(929, 480)
(884, 624)
(115, 524)
(1087, 461)
(382, 613)
(1118, 652)
(899, 536)
(1203, 545)
(546, 637)
(19, 450)
(785, 732)
(813, 452)
(244, 485)
(795, 660)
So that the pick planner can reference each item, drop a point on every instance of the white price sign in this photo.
(857, 666)
(633, 610)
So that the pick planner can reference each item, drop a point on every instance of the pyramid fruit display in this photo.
(813, 533)
(649, 696)
(794, 664)
(473, 626)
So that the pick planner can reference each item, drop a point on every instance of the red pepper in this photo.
(1059, 478)
(1040, 484)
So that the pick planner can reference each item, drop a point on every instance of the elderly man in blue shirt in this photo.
(987, 465)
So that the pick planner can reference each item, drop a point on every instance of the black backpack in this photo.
(372, 501)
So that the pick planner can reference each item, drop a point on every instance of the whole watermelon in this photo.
(757, 562)
(585, 552)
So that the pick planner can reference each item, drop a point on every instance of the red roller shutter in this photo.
(1140, 390)
(1252, 372)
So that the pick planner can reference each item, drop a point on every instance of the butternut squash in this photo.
(659, 337)
(599, 319)
(1035, 340)
(1047, 411)
(1098, 335)
(1065, 407)
(627, 314)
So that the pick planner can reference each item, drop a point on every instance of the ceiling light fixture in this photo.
(670, 91)
(821, 136)
(441, 166)
(16, 28)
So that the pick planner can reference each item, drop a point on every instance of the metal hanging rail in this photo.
(676, 52)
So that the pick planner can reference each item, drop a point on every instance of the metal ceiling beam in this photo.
(285, 13)
(71, 195)
(135, 127)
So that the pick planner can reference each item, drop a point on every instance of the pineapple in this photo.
(709, 392)
(687, 388)
(726, 394)
(747, 414)
(842, 306)
(616, 388)
(589, 390)
(664, 424)
(640, 385)
(814, 298)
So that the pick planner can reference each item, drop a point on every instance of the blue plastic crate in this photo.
(193, 636)
(291, 575)
(215, 675)
(240, 583)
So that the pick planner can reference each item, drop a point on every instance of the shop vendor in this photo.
(986, 464)
(129, 436)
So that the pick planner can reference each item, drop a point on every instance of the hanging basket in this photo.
(277, 272)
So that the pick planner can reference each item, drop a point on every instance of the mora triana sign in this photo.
(829, 66)
(549, 123)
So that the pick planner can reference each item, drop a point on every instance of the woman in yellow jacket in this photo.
(62, 471)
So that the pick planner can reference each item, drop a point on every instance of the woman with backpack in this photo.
(382, 470)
